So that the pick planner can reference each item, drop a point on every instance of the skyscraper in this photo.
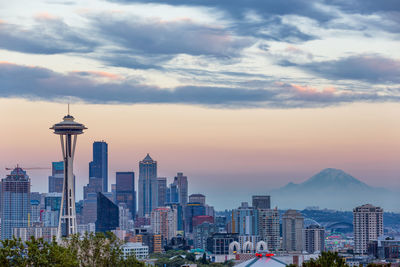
(182, 183)
(245, 220)
(292, 230)
(148, 187)
(51, 214)
(95, 185)
(179, 210)
(107, 214)
(125, 190)
(261, 202)
(368, 226)
(16, 202)
(201, 233)
(172, 194)
(89, 209)
(191, 210)
(314, 239)
(56, 180)
(57, 177)
(68, 130)
(162, 191)
(164, 222)
(268, 227)
(99, 166)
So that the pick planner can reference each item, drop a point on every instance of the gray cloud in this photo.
(387, 10)
(47, 36)
(40, 83)
(269, 27)
(36, 83)
(266, 8)
(272, 28)
(156, 37)
(127, 60)
(369, 68)
(367, 6)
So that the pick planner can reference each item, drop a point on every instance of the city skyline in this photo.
(170, 167)
(272, 182)
(248, 96)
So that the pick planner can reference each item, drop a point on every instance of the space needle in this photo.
(68, 130)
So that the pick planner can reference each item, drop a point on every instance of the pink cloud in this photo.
(291, 48)
(99, 74)
(7, 63)
(312, 90)
(45, 16)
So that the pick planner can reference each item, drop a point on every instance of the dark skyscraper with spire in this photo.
(99, 166)
(148, 186)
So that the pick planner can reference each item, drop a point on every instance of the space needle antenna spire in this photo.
(68, 130)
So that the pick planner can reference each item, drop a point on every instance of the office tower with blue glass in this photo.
(99, 166)
(68, 130)
(16, 202)
(148, 186)
(57, 177)
(125, 190)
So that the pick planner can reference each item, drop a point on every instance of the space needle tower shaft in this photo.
(68, 130)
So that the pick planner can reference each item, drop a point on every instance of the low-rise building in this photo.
(218, 243)
(384, 248)
(25, 233)
(138, 249)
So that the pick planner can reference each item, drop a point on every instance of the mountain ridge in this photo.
(335, 189)
(330, 177)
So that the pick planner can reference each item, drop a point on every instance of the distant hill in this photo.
(334, 189)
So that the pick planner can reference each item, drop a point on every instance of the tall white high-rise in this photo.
(68, 130)
(368, 225)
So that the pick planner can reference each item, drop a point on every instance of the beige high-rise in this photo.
(292, 230)
(368, 225)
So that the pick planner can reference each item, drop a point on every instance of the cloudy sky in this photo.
(242, 96)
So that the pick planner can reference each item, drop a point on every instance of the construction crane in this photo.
(31, 168)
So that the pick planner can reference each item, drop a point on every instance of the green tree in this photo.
(326, 259)
(102, 250)
(191, 257)
(12, 253)
(203, 259)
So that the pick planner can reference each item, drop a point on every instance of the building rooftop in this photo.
(148, 158)
(133, 245)
(262, 261)
(196, 195)
(18, 174)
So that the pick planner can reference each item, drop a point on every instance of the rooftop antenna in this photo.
(68, 108)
